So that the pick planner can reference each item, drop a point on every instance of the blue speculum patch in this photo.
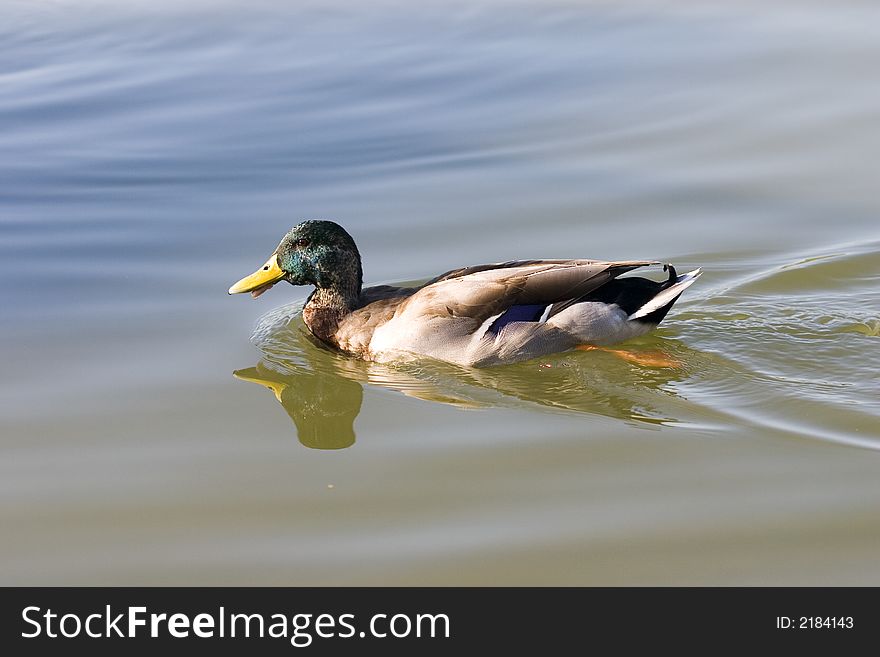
(525, 313)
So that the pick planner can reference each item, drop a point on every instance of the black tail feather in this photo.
(633, 292)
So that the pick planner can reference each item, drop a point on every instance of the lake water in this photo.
(153, 153)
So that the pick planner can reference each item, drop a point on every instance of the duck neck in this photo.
(326, 308)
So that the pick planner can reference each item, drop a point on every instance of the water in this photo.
(153, 154)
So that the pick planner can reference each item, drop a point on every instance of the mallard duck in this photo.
(473, 316)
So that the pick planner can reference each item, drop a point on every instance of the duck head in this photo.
(319, 253)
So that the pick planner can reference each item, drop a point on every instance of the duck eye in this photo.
(302, 241)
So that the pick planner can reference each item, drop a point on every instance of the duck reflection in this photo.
(322, 406)
(322, 391)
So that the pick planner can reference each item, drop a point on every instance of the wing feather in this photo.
(482, 291)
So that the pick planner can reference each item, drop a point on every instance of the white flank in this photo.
(682, 283)
(545, 314)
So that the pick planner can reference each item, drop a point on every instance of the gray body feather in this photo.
(449, 318)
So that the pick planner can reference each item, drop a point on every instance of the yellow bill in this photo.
(261, 280)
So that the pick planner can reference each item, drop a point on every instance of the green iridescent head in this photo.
(319, 253)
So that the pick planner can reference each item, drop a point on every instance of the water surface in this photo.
(152, 154)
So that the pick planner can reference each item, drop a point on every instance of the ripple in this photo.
(792, 336)
(856, 264)
(869, 327)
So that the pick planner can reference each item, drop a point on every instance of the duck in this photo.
(476, 316)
